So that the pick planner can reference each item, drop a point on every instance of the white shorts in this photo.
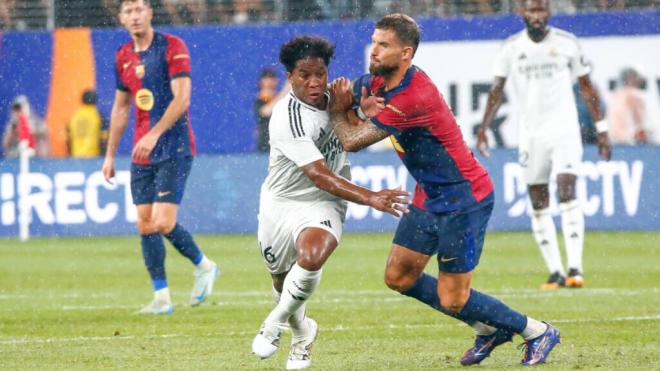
(542, 156)
(280, 223)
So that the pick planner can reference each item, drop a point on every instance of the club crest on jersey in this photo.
(144, 99)
(553, 52)
(139, 71)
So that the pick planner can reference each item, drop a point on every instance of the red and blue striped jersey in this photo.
(147, 76)
(429, 142)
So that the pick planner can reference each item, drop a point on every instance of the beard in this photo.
(536, 33)
(382, 70)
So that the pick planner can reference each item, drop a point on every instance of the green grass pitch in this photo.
(69, 303)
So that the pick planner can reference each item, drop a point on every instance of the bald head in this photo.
(536, 14)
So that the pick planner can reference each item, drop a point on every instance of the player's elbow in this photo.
(351, 146)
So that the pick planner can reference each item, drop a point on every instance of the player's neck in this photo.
(393, 80)
(143, 41)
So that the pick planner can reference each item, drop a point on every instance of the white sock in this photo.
(483, 329)
(205, 264)
(163, 295)
(545, 234)
(572, 226)
(534, 329)
(299, 285)
(297, 322)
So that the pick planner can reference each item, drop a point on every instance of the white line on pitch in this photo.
(654, 317)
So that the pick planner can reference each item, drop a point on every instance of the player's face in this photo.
(387, 52)
(309, 80)
(136, 17)
(536, 14)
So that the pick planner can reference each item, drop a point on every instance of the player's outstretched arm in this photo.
(492, 105)
(354, 135)
(590, 95)
(390, 201)
(121, 113)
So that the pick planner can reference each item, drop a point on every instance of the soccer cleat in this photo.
(555, 281)
(299, 356)
(203, 285)
(574, 279)
(267, 340)
(484, 345)
(537, 349)
(157, 307)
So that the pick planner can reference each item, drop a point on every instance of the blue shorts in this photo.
(160, 182)
(456, 237)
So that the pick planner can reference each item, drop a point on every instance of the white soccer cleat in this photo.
(157, 307)
(267, 340)
(299, 356)
(203, 285)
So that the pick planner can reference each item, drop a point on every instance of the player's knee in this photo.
(453, 302)
(145, 226)
(163, 225)
(309, 262)
(397, 281)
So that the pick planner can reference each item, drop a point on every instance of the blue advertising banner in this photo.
(71, 198)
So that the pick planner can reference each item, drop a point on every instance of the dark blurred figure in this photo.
(263, 105)
(627, 114)
(587, 124)
(301, 10)
(88, 130)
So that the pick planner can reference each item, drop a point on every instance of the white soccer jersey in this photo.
(301, 134)
(543, 75)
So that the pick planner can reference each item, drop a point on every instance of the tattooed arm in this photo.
(353, 133)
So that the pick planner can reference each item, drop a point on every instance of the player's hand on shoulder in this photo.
(482, 142)
(370, 105)
(391, 201)
(604, 146)
(342, 95)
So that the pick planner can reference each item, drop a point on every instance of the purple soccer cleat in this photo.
(537, 349)
(484, 345)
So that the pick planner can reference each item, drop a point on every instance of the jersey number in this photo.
(268, 254)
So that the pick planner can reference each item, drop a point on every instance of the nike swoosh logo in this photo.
(444, 260)
(163, 194)
(126, 65)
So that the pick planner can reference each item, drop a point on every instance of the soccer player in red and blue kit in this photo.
(453, 198)
(153, 71)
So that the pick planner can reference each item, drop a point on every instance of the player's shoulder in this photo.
(171, 39)
(124, 49)
(514, 39)
(562, 36)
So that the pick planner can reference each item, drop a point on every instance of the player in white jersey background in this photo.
(303, 199)
(543, 62)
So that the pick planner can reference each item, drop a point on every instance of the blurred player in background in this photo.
(453, 199)
(153, 70)
(302, 206)
(87, 130)
(543, 61)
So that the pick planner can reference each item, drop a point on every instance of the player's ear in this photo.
(408, 52)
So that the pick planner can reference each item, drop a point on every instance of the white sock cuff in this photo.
(541, 213)
(568, 206)
(304, 273)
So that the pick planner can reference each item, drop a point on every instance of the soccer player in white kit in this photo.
(303, 199)
(543, 62)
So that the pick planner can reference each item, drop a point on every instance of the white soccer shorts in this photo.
(542, 156)
(280, 223)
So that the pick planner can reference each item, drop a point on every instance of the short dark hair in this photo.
(303, 47)
(405, 28)
(267, 72)
(121, 2)
(89, 97)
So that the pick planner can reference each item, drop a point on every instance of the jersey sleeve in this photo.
(502, 64)
(580, 66)
(118, 83)
(178, 58)
(362, 81)
(293, 136)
